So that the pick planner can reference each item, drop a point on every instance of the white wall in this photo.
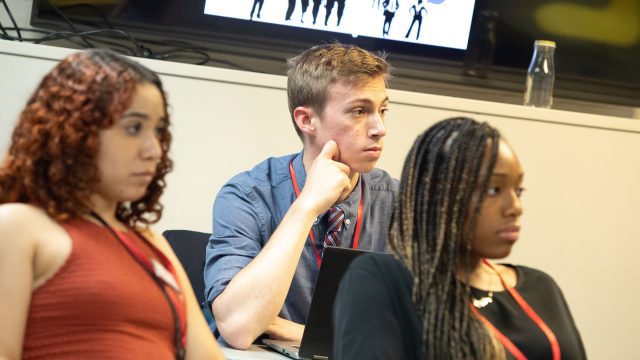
(582, 205)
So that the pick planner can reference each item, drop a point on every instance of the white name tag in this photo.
(165, 275)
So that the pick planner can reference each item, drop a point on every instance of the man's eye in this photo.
(383, 111)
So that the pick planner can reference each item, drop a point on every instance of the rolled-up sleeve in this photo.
(237, 238)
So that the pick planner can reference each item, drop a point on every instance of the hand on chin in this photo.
(344, 194)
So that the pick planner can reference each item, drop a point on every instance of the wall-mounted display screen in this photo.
(479, 43)
(443, 23)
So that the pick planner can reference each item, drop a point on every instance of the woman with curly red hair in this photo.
(81, 273)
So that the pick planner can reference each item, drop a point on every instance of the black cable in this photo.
(195, 48)
(170, 54)
(67, 20)
(113, 45)
(13, 21)
(30, 30)
(3, 29)
(13, 38)
(120, 48)
(139, 50)
(64, 35)
(92, 7)
(179, 49)
(188, 45)
(34, 40)
(52, 36)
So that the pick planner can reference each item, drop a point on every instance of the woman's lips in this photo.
(144, 176)
(510, 233)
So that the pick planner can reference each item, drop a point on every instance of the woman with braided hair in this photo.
(438, 297)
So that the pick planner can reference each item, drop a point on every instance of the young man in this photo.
(270, 224)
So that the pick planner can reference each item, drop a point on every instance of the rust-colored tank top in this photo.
(101, 304)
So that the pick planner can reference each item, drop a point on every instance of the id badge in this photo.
(165, 275)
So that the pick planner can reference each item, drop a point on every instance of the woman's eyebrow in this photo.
(504, 175)
(136, 114)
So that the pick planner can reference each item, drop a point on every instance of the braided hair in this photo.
(431, 231)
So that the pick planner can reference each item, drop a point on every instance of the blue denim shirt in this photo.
(251, 205)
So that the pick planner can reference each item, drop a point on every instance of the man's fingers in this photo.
(330, 151)
(344, 168)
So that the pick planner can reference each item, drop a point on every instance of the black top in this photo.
(374, 317)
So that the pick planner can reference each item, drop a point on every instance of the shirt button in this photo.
(347, 221)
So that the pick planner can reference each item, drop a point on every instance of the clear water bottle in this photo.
(541, 75)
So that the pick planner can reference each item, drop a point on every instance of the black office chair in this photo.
(189, 247)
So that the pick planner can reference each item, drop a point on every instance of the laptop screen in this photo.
(317, 339)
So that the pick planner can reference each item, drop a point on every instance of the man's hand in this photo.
(282, 329)
(326, 181)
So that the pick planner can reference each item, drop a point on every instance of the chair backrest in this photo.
(189, 247)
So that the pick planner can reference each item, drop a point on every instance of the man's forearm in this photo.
(254, 297)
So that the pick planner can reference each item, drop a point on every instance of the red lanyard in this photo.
(513, 349)
(356, 235)
(159, 273)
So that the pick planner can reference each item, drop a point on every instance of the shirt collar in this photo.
(298, 167)
(352, 202)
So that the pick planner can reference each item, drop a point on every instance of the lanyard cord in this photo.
(356, 235)
(176, 303)
(528, 310)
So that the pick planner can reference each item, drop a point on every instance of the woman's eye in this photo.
(160, 130)
(357, 112)
(134, 129)
(493, 191)
(519, 191)
(383, 111)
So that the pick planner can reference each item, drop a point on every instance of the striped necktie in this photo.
(335, 218)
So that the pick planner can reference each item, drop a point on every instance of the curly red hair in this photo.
(51, 159)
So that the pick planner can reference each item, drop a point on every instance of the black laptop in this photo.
(317, 339)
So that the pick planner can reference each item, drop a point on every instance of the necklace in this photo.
(485, 300)
(513, 349)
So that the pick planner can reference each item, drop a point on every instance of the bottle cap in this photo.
(546, 43)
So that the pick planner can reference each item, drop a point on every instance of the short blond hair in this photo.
(312, 72)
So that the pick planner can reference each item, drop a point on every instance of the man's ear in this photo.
(304, 116)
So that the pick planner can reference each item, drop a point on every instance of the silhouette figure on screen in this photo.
(389, 13)
(329, 7)
(417, 16)
(292, 7)
(316, 8)
(253, 8)
(373, 4)
(305, 6)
